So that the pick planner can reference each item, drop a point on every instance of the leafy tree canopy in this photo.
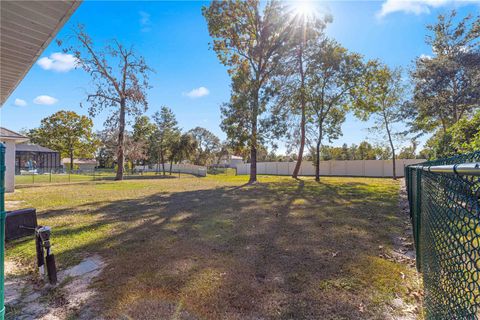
(68, 133)
(447, 84)
(462, 137)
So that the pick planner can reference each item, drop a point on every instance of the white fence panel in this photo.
(242, 168)
(263, 167)
(360, 168)
(291, 167)
(387, 168)
(355, 168)
(373, 168)
(338, 168)
(282, 168)
(307, 169)
(325, 168)
(399, 167)
(270, 168)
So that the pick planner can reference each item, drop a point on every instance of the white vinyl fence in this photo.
(353, 168)
(176, 168)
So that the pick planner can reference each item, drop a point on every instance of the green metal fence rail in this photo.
(444, 198)
(2, 230)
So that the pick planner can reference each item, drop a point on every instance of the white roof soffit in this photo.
(27, 28)
(9, 135)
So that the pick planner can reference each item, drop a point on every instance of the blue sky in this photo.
(173, 38)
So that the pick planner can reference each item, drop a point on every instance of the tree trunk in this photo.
(71, 160)
(317, 158)
(253, 159)
(121, 138)
(302, 145)
(394, 173)
(162, 159)
(171, 161)
(391, 143)
(302, 122)
(253, 140)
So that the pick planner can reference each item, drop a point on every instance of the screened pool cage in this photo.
(32, 159)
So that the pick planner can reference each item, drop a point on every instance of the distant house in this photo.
(80, 164)
(230, 161)
(234, 161)
(32, 158)
(11, 139)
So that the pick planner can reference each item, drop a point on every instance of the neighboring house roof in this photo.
(80, 161)
(33, 148)
(27, 27)
(7, 134)
(229, 157)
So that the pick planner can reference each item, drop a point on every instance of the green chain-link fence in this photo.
(444, 198)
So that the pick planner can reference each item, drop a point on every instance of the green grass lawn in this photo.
(29, 179)
(211, 248)
(32, 179)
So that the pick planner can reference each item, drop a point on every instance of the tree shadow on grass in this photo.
(277, 250)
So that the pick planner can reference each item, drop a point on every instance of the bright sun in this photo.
(303, 8)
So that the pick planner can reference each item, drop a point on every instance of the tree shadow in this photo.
(265, 250)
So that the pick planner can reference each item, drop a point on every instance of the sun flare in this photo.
(303, 8)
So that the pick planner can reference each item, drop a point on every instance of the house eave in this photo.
(26, 29)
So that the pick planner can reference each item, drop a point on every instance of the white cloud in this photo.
(197, 93)
(20, 102)
(425, 57)
(417, 6)
(47, 100)
(145, 21)
(58, 61)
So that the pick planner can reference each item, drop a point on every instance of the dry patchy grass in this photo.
(210, 248)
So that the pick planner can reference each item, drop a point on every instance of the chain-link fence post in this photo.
(2, 230)
(418, 218)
